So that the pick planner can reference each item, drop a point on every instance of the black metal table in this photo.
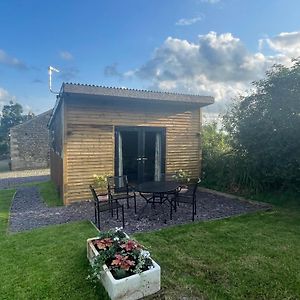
(156, 192)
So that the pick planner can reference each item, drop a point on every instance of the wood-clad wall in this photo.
(56, 171)
(89, 139)
(56, 150)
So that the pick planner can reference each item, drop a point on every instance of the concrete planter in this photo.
(130, 288)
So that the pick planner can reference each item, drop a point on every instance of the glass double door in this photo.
(140, 153)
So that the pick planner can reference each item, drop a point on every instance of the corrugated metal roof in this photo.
(95, 90)
(126, 93)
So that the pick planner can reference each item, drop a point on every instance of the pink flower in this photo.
(130, 245)
(104, 243)
(123, 262)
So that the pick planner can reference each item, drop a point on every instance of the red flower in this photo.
(104, 243)
(130, 245)
(123, 262)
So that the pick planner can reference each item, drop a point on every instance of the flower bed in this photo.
(124, 267)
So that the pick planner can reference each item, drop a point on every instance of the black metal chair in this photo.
(189, 197)
(119, 189)
(106, 205)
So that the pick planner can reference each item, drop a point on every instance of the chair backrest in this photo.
(95, 197)
(117, 183)
(193, 185)
(196, 184)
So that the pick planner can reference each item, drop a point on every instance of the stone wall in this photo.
(29, 144)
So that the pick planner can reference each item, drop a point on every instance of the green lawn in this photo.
(47, 263)
(49, 193)
(256, 256)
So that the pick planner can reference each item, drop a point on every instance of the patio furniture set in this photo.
(163, 193)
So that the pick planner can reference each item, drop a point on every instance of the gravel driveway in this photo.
(14, 178)
(29, 211)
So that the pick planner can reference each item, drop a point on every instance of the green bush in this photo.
(259, 146)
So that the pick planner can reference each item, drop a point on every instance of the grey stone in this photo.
(29, 143)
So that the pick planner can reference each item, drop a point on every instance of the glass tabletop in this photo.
(157, 187)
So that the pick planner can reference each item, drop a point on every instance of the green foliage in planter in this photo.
(100, 183)
(122, 255)
(182, 176)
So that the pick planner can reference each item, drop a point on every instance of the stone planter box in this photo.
(130, 288)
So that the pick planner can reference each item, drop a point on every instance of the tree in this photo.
(12, 115)
(215, 147)
(264, 128)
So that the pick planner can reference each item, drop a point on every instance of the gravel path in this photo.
(14, 178)
(28, 212)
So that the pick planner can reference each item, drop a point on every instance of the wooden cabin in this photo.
(114, 131)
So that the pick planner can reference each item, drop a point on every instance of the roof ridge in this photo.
(129, 89)
(34, 117)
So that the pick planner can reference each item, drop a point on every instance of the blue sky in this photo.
(209, 47)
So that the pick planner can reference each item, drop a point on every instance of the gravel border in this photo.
(28, 211)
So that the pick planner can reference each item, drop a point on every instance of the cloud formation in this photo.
(66, 55)
(187, 22)
(112, 70)
(217, 64)
(287, 43)
(11, 61)
(5, 97)
(69, 73)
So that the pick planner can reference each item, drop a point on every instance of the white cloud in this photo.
(287, 43)
(69, 73)
(65, 55)
(190, 21)
(5, 97)
(11, 61)
(217, 64)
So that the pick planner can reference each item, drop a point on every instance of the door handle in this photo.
(139, 159)
(144, 158)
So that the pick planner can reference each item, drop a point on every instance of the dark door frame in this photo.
(141, 130)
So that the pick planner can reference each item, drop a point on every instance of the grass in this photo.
(49, 193)
(287, 199)
(47, 263)
(256, 256)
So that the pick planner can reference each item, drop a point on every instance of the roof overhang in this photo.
(124, 94)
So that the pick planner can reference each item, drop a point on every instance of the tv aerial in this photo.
(50, 71)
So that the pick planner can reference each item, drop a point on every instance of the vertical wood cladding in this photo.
(56, 171)
(89, 138)
(56, 151)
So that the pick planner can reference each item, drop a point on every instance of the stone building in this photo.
(29, 143)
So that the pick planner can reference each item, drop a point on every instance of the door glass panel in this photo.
(140, 153)
(149, 156)
(130, 154)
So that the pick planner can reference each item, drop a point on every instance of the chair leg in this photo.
(111, 209)
(134, 203)
(117, 213)
(171, 209)
(127, 201)
(98, 216)
(123, 220)
(193, 212)
(95, 212)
